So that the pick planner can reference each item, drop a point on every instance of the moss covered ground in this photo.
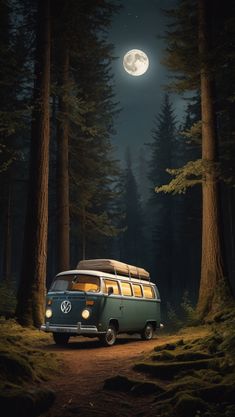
(191, 376)
(24, 368)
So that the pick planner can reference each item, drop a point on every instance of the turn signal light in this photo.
(90, 302)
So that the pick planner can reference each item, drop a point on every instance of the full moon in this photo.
(135, 62)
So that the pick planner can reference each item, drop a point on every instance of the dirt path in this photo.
(85, 365)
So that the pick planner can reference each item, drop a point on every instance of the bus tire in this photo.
(109, 338)
(147, 333)
(61, 339)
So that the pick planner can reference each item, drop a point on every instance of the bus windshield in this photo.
(76, 282)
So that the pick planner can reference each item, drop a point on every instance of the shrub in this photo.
(184, 315)
(7, 298)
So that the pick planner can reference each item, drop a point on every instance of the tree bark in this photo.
(215, 292)
(63, 220)
(84, 233)
(8, 236)
(31, 291)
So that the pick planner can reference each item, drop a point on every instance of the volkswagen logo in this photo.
(65, 306)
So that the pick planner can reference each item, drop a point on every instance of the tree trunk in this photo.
(63, 221)
(230, 203)
(215, 292)
(31, 291)
(84, 233)
(8, 236)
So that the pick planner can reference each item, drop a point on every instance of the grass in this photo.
(24, 366)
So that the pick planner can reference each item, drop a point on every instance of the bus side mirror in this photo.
(110, 290)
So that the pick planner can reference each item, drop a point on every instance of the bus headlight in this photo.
(86, 314)
(48, 313)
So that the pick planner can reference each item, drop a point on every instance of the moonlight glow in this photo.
(135, 62)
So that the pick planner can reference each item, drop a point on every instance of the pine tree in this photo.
(63, 218)
(190, 224)
(85, 118)
(31, 292)
(132, 244)
(215, 292)
(62, 33)
(92, 166)
(161, 206)
(13, 113)
(142, 176)
(199, 25)
(6, 128)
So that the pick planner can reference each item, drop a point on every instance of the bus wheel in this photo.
(61, 338)
(147, 333)
(109, 338)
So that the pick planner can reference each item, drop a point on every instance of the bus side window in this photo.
(126, 289)
(137, 290)
(108, 283)
(148, 291)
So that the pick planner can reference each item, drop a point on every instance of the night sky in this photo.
(138, 26)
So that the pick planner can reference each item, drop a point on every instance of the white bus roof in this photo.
(104, 275)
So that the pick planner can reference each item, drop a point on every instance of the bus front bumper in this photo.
(78, 329)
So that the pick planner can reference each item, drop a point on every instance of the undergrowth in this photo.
(184, 315)
(7, 298)
(24, 367)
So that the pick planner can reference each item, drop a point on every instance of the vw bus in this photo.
(102, 298)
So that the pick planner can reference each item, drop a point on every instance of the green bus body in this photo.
(105, 307)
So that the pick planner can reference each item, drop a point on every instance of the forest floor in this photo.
(191, 373)
(187, 374)
(86, 365)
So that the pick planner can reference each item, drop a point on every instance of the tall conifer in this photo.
(163, 150)
(132, 245)
(193, 46)
(31, 292)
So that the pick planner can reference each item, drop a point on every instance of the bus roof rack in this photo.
(114, 267)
